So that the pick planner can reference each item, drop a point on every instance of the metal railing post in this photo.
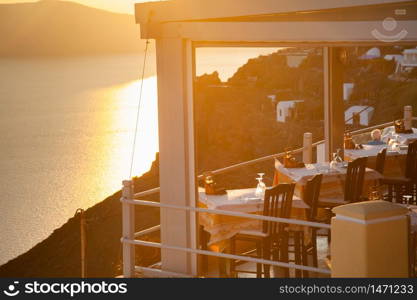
(128, 216)
(80, 212)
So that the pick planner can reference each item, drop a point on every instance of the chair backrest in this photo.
(277, 203)
(380, 161)
(355, 176)
(311, 196)
(411, 161)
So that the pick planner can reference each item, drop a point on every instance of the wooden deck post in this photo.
(334, 116)
(408, 117)
(308, 148)
(128, 216)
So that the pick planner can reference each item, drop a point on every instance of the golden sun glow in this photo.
(123, 100)
(120, 6)
(147, 134)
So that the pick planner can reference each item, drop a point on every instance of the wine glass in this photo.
(393, 144)
(333, 163)
(261, 187)
(407, 198)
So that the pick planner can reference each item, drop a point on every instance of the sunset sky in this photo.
(123, 6)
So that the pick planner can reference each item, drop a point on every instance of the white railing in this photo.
(130, 199)
(129, 236)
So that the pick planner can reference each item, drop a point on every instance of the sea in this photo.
(67, 129)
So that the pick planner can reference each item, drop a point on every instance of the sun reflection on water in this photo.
(123, 101)
(147, 131)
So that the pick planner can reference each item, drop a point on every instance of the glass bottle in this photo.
(209, 183)
(339, 158)
(374, 194)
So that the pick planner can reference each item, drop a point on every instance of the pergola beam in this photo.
(180, 10)
(334, 116)
(285, 32)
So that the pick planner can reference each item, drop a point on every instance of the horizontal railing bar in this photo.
(148, 192)
(225, 255)
(148, 231)
(258, 160)
(158, 273)
(359, 131)
(226, 213)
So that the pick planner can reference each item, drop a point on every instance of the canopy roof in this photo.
(272, 10)
(298, 20)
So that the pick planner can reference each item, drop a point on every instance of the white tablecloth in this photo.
(402, 138)
(301, 175)
(332, 185)
(371, 151)
(221, 227)
(243, 200)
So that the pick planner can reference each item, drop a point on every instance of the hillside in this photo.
(59, 254)
(61, 28)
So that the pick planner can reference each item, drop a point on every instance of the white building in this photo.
(398, 58)
(285, 108)
(409, 58)
(365, 114)
(347, 90)
(372, 54)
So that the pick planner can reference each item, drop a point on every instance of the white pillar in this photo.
(176, 152)
(408, 117)
(128, 219)
(308, 148)
(321, 154)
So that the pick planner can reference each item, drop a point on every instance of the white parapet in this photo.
(370, 239)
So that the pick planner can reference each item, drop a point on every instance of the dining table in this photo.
(332, 187)
(394, 162)
(223, 227)
(402, 138)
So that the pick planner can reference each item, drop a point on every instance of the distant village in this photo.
(272, 93)
(356, 115)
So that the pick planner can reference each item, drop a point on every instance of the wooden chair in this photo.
(353, 185)
(355, 177)
(301, 249)
(397, 187)
(380, 161)
(277, 203)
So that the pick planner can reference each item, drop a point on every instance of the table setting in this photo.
(396, 145)
(334, 174)
(249, 200)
